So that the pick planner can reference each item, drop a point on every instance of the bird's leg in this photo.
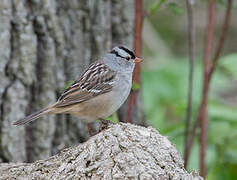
(89, 129)
(104, 124)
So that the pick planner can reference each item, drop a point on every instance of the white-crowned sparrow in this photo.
(100, 90)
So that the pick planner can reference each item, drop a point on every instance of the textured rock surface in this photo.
(123, 151)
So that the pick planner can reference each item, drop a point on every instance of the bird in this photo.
(98, 92)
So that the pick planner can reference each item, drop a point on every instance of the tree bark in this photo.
(45, 45)
(123, 151)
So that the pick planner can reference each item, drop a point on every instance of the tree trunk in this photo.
(123, 151)
(45, 45)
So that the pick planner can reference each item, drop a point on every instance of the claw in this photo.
(104, 124)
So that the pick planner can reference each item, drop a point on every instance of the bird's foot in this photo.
(104, 124)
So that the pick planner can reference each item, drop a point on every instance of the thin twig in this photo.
(191, 42)
(203, 107)
(193, 134)
(131, 103)
(221, 41)
(138, 50)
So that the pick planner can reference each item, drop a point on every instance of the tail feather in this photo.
(32, 117)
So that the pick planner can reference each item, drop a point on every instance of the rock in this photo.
(123, 151)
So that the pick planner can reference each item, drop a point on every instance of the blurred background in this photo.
(45, 45)
(165, 82)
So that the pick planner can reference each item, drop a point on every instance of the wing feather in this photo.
(96, 80)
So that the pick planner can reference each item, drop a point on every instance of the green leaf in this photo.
(68, 84)
(223, 113)
(229, 63)
(221, 132)
(135, 86)
(156, 6)
(113, 118)
(173, 7)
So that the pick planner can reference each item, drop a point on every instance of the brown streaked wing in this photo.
(96, 80)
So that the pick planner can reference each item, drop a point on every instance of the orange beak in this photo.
(137, 60)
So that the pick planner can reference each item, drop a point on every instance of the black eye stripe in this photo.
(116, 53)
(128, 51)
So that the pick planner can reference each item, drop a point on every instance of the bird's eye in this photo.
(127, 57)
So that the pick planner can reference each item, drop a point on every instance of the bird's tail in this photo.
(32, 117)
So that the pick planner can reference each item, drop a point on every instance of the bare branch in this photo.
(138, 51)
(191, 42)
(221, 41)
(206, 84)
